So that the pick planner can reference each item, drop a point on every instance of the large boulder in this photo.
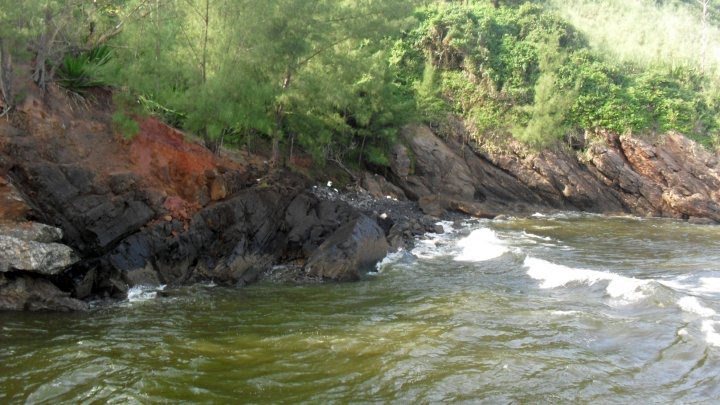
(354, 249)
(37, 257)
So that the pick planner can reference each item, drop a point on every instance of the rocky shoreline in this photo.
(161, 210)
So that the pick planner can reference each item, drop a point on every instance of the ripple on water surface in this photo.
(547, 309)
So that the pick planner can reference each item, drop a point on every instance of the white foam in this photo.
(388, 260)
(709, 285)
(482, 244)
(703, 285)
(555, 275)
(707, 326)
(711, 336)
(429, 247)
(693, 305)
(533, 236)
(141, 293)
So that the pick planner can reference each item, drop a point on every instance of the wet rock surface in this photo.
(161, 210)
(351, 251)
(23, 293)
(30, 257)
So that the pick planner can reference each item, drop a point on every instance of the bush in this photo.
(524, 70)
(80, 72)
(124, 125)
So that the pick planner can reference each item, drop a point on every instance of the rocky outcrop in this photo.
(669, 176)
(29, 258)
(443, 174)
(159, 210)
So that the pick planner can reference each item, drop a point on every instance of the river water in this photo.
(566, 308)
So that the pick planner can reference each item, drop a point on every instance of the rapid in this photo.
(559, 308)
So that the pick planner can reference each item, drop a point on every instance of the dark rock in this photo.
(121, 183)
(434, 205)
(32, 294)
(91, 222)
(146, 276)
(84, 285)
(310, 221)
(352, 250)
(379, 187)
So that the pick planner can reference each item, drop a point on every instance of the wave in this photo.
(481, 245)
(555, 275)
(434, 245)
(628, 290)
(141, 293)
(707, 326)
(702, 285)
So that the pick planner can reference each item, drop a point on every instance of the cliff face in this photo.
(669, 177)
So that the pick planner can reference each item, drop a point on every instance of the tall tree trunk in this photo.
(205, 41)
(704, 38)
(277, 128)
(6, 90)
(40, 74)
(276, 133)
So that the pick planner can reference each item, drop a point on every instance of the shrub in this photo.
(78, 73)
(124, 125)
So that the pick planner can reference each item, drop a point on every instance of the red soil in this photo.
(162, 157)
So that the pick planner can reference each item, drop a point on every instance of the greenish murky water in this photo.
(548, 309)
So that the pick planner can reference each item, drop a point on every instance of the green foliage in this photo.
(525, 70)
(644, 32)
(313, 74)
(547, 113)
(125, 125)
(339, 78)
(430, 104)
(78, 73)
(169, 116)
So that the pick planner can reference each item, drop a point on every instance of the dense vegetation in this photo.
(338, 78)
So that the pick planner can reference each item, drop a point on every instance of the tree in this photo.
(40, 33)
(237, 66)
(289, 46)
(704, 32)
